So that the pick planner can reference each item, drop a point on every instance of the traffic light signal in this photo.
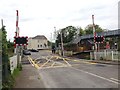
(98, 39)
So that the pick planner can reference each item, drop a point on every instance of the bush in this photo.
(11, 80)
(101, 58)
(9, 83)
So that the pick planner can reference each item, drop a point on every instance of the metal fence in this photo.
(113, 55)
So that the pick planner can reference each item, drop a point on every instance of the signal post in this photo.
(19, 42)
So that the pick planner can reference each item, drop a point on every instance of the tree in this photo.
(81, 31)
(5, 59)
(58, 40)
(6, 74)
(89, 29)
(10, 46)
(68, 34)
(49, 43)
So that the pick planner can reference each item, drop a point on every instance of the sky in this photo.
(39, 17)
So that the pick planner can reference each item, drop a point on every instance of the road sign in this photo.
(99, 39)
(21, 41)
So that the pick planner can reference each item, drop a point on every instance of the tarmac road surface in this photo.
(59, 72)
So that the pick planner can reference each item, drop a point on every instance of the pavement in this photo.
(29, 77)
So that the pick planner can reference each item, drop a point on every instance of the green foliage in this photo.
(9, 83)
(49, 43)
(10, 50)
(4, 42)
(6, 76)
(11, 79)
(81, 31)
(10, 44)
(16, 72)
(101, 58)
(58, 41)
(53, 44)
(68, 34)
(89, 29)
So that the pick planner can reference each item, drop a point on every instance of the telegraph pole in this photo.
(78, 32)
(55, 36)
(51, 40)
(94, 35)
(62, 48)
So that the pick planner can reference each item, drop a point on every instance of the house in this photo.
(78, 45)
(86, 42)
(38, 42)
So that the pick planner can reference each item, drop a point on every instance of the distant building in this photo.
(86, 42)
(37, 42)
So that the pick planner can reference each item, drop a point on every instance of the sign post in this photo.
(19, 42)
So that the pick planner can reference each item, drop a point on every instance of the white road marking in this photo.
(115, 79)
(96, 76)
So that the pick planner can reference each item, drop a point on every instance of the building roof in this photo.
(40, 37)
(76, 40)
(90, 36)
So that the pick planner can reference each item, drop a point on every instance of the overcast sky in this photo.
(39, 17)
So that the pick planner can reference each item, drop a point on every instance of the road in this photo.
(58, 72)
